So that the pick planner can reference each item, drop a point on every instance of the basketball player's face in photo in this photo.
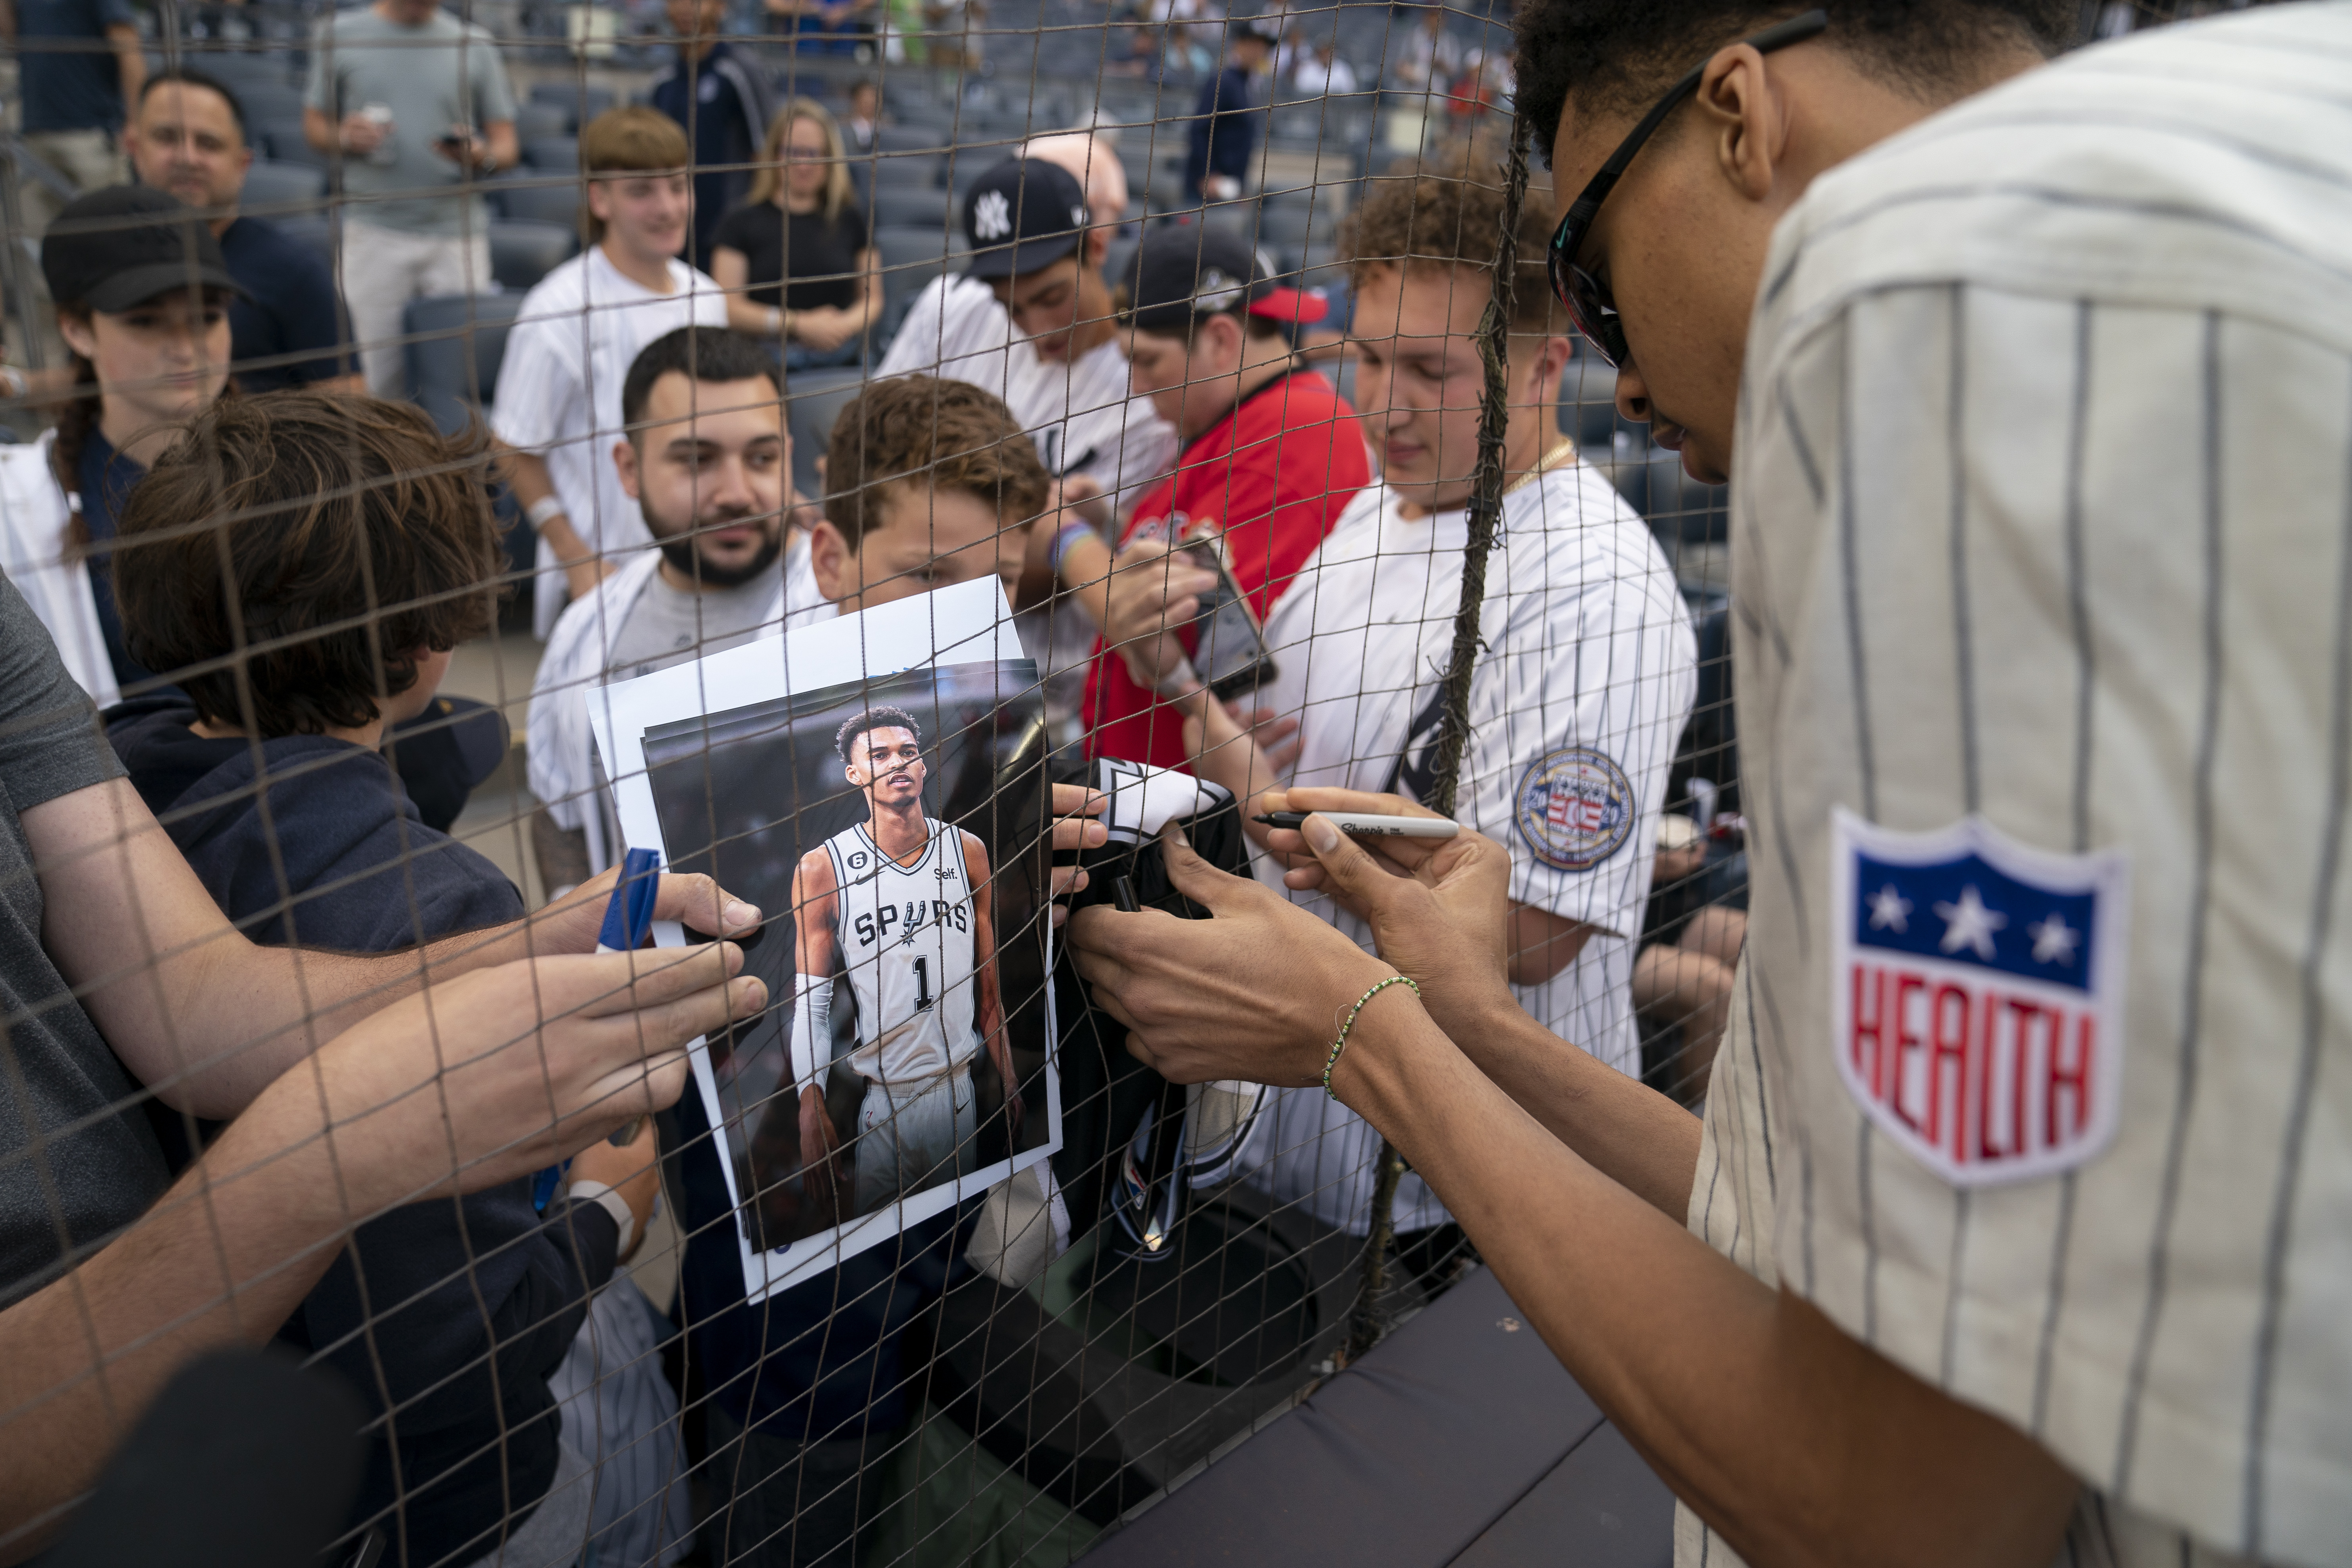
(708, 471)
(890, 767)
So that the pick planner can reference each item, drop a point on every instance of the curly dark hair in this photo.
(290, 554)
(948, 434)
(874, 718)
(1621, 53)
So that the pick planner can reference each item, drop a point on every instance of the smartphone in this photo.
(1229, 650)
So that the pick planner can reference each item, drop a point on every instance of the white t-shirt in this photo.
(2043, 579)
(579, 330)
(1079, 412)
(1576, 708)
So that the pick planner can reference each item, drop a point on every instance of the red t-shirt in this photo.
(1274, 476)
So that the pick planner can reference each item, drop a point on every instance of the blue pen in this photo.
(628, 920)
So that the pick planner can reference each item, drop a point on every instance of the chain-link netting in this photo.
(886, 462)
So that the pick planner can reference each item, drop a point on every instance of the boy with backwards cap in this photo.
(1272, 455)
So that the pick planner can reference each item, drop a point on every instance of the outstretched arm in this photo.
(816, 906)
(206, 1017)
(1800, 1444)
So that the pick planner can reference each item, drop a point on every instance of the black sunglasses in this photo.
(1588, 304)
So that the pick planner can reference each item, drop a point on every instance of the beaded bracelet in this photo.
(1071, 532)
(1342, 1043)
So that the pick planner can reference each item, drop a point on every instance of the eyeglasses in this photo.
(1588, 304)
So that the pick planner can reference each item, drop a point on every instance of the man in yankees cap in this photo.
(2014, 1232)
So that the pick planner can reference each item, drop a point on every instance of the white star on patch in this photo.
(2054, 939)
(991, 216)
(1969, 924)
(1889, 911)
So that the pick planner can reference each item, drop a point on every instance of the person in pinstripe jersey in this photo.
(2024, 1175)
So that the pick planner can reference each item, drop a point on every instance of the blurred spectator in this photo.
(724, 102)
(1030, 318)
(1585, 678)
(707, 463)
(577, 333)
(1272, 456)
(188, 137)
(412, 99)
(269, 773)
(78, 68)
(1431, 57)
(1324, 72)
(1229, 119)
(1031, 322)
(148, 351)
(903, 25)
(1683, 979)
(959, 39)
(795, 259)
(865, 116)
(822, 27)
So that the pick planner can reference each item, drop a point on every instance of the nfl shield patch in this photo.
(1976, 994)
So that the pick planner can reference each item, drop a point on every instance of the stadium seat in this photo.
(1588, 400)
(282, 140)
(533, 120)
(813, 399)
(910, 209)
(521, 253)
(580, 103)
(269, 103)
(552, 154)
(904, 171)
(273, 190)
(456, 341)
(908, 139)
(534, 198)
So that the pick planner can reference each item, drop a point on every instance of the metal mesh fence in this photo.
(658, 545)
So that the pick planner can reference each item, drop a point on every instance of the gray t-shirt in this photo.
(442, 75)
(670, 625)
(78, 1159)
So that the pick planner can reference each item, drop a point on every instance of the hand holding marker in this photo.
(1366, 825)
(628, 920)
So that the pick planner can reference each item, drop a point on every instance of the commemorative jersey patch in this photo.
(1976, 996)
(1574, 807)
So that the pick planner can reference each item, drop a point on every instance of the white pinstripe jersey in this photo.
(2042, 511)
(1584, 683)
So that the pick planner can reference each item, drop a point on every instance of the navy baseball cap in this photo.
(1023, 215)
(1183, 272)
(123, 245)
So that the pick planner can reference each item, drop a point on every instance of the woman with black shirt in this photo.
(794, 260)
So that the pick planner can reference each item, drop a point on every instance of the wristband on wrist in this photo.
(1342, 1043)
(1071, 532)
(590, 1191)
(539, 511)
(776, 319)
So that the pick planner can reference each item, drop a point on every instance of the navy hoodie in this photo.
(449, 1315)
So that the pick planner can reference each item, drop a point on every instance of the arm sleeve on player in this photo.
(812, 1031)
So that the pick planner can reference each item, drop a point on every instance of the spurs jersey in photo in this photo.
(905, 936)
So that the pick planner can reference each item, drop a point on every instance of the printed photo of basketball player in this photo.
(896, 829)
(899, 906)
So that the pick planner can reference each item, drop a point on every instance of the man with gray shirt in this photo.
(709, 463)
(417, 105)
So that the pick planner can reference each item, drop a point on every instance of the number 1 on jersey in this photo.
(923, 984)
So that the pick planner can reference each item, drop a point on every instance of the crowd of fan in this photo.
(260, 589)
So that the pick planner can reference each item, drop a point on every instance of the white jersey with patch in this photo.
(905, 935)
(2037, 1077)
(1576, 705)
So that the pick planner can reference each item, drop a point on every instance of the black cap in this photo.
(1182, 272)
(1265, 29)
(113, 248)
(1023, 215)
